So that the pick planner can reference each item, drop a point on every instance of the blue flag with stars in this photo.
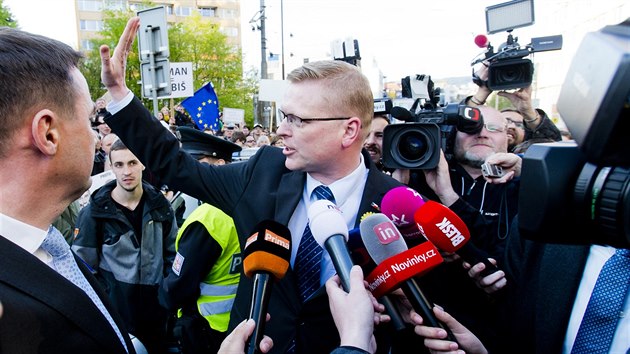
(203, 107)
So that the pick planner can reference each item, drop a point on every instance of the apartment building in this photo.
(226, 13)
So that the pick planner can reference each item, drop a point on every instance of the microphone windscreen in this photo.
(400, 205)
(325, 220)
(481, 40)
(402, 114)
(442, 226)
(268, 249)
(381, 238)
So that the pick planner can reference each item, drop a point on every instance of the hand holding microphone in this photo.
(449, 233)
(397, 265)
(417, 219)
(330, 231)
(266, 257)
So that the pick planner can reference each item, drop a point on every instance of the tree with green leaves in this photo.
(193, 40)
(6, 18)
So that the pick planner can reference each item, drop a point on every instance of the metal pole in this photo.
(282, 33)
(154, 83)
(263, 42)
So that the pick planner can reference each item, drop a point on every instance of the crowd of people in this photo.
(135, 273)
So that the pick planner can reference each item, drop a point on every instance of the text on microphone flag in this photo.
(391, 272)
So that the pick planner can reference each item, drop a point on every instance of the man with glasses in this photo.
(327, 109)
(486, 207)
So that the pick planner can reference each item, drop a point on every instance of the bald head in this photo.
(473, 149)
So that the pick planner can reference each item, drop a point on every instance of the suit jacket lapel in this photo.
(289, 194)
(24, 271)
(558, 288)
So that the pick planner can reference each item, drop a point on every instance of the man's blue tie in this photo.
(64, 264)
(605, 306)
(309, 254)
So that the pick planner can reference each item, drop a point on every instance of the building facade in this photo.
(225, 13)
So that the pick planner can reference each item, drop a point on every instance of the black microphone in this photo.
(398, 265)
(266, 256)
(330, 231)
(402, 114)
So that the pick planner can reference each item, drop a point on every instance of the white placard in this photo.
(181, 80)
(233, 115)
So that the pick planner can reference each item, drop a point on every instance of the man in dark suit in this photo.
(327, 113)
(46, 156)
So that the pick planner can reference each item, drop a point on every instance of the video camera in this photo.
(580, 193)
(428, 127)
(508, 68)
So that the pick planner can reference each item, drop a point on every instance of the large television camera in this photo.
(428, 127)
(508, 68)
(579, 192)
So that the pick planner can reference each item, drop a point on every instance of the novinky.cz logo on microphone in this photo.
(386, 232)
(450, 231)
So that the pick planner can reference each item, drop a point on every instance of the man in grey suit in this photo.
(327, 111)
(46, 157)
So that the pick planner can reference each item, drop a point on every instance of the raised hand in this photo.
(113, 68)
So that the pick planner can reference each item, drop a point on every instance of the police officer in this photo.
(205, 274)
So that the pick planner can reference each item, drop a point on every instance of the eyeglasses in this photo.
(494, 128)
(298, 122)
(516, 123)
(249, 141)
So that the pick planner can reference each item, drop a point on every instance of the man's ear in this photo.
(45, 131)
(352, 131)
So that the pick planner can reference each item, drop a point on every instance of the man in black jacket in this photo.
(126, 234)
(327, 112)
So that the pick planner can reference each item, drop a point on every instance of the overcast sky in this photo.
(404, 37)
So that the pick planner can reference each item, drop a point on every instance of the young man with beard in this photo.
(374, 141)
(126, 235)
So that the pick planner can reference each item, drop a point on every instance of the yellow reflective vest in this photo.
(218, 288)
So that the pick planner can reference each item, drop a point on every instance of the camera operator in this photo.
(524, 121)
(486, 205)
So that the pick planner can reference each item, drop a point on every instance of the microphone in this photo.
(481, 40)
(266, 256)
(361, 258)
(397, 265)
(399, 205)
(449, 233)
(402, 114)
(330, 231)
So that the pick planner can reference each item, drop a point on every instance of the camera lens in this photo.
(412, 146)
(511, 74)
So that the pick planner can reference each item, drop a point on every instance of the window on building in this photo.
(90, 5)
(169, 9)
(91, 25)
(229, 13)
(86, 44)
(208, 11)
(139, 6)
(230, 31)
(116, 5)
(183, 11)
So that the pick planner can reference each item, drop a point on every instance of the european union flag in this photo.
(203, 107)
